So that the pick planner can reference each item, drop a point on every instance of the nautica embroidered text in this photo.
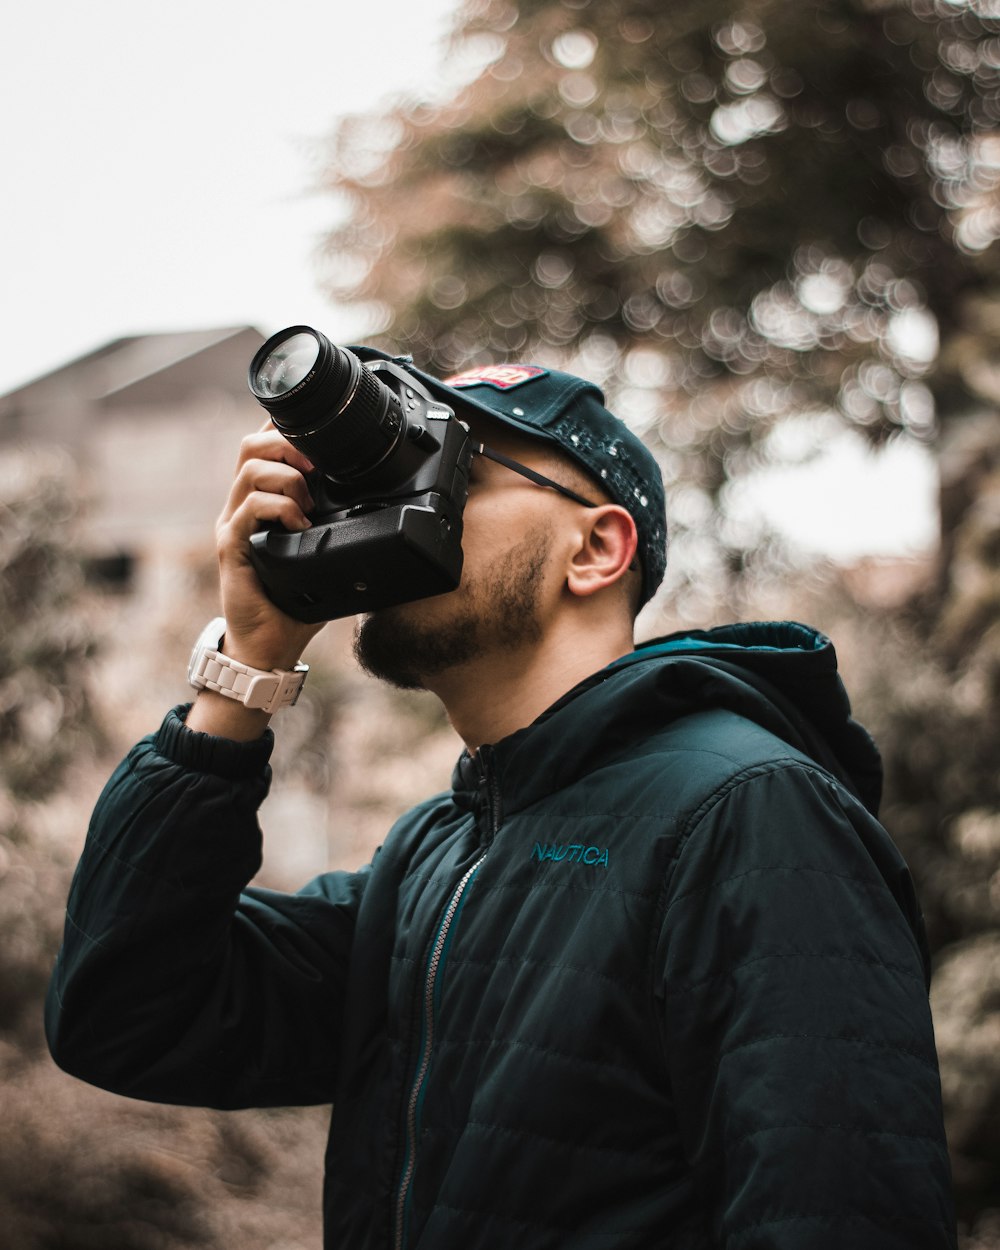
(575, 853)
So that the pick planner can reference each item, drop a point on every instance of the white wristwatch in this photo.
(259, 688)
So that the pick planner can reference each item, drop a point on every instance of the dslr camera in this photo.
(391, 481)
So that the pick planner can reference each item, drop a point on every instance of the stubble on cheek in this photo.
(497, 612)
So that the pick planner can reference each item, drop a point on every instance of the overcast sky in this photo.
(157, 160)
(158, 163)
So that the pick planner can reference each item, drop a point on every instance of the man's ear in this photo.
(606, 551)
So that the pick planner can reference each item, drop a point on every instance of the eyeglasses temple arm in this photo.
(538, 478)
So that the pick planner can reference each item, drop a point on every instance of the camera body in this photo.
(391, 481)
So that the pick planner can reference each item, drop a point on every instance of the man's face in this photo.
(510, 526)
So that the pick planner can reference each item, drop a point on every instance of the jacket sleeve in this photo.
(790, 981)
(174, 982)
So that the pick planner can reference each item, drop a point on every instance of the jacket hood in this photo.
(781, 675)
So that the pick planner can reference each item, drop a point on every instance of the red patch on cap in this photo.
(503, 377)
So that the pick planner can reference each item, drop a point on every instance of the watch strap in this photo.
(263, 689)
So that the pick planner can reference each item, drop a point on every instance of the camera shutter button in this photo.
(421, 437)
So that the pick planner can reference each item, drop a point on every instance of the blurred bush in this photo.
(81, 1169)
(46, 714)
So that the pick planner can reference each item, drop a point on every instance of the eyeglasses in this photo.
(538, 478)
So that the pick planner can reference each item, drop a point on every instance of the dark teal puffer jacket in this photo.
(652, 975)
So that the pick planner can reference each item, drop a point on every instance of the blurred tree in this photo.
(926, 681)
(935, 698)
(735, 211)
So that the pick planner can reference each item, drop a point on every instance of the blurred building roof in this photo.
(151, 425)
(134, 372)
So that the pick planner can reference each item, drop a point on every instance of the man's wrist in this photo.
(212, 713)
(252, 690)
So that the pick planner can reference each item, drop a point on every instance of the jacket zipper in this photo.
(434, 965)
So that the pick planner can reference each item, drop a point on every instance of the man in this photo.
(650, 975)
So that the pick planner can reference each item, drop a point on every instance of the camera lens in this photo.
(326, 402)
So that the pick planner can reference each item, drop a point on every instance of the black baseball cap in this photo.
(568, 412)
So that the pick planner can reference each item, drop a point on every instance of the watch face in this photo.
(208, 640)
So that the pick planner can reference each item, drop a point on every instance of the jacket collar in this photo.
(781, 675)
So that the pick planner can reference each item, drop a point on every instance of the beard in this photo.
(491, 613)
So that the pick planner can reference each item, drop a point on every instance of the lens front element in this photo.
(286, 366)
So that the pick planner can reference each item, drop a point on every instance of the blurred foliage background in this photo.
(761, 226)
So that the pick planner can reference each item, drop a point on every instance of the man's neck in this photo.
(496, 694)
